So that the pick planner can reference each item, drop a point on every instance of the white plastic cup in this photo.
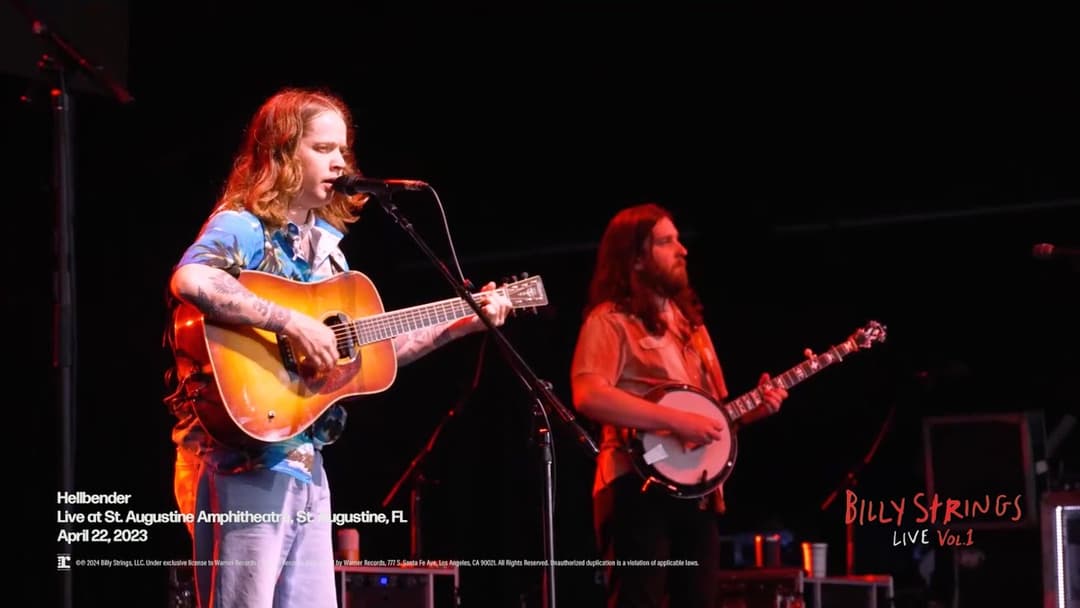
(814, 557)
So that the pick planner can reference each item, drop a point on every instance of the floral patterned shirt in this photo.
(234, 241)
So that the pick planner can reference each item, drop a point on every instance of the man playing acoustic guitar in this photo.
(278, 225)
(643, 331)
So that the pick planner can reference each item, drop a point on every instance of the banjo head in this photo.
(662, 458)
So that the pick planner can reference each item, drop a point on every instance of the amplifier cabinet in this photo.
(396, 587)
(760, 588)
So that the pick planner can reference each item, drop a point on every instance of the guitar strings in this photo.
(354, 332)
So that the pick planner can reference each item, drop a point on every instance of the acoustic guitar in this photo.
(262, 393)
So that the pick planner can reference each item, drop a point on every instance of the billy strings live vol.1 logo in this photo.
(946, 522)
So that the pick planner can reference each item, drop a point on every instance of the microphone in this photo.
(1046, 251)
(357, 184)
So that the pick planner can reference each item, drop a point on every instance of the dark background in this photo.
(826, 168)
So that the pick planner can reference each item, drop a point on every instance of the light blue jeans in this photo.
(287, 563)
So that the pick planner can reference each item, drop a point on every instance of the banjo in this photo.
(662, 459)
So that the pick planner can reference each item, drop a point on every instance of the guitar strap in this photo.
(704, 347)
(702, 343)
(337, 267)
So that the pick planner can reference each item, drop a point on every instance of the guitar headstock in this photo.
(526, 292)
(867, 336)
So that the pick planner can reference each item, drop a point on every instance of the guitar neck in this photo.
(743, 404)
(387, 325)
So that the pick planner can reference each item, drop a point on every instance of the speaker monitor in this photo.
(372, 587)
(838, 595)
(982, 457)
(790, 588)
(759, 587)
(386, 591)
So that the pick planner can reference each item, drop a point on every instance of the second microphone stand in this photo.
(850, 480)
(414, 474)
(543, 398)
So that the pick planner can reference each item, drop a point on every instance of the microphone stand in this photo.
(62, 62)
(850, 480)
(543, 398)
(414, 473)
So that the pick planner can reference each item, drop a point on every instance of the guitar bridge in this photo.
(288, 359)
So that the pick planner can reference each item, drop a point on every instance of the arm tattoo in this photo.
(226, 304)
(227, 285)
(217, 309)
(261, 306)
(203, 302)
(279, 316)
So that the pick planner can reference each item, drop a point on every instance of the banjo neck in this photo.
(743, 404)
(664, 459)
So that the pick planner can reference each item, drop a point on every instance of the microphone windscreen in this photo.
(1042, 250)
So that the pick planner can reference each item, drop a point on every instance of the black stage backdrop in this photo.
(826, 169)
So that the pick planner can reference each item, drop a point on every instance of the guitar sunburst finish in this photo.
(263, 394)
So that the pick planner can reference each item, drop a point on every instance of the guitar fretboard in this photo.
(387, 325)
(745, 403)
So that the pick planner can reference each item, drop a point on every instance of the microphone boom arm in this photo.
(527, 376)
(543, 397)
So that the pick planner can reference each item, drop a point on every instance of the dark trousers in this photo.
(634, 525)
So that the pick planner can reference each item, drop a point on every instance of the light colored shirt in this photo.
(617, 347)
